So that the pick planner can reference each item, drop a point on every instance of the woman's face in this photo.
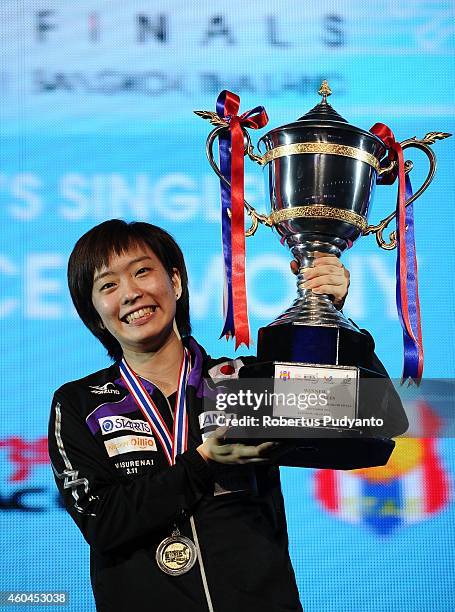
(136, 299)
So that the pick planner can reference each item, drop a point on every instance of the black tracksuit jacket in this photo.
(125, 498)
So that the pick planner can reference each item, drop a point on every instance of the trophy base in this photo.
(320, 352)
(297, 342)
(335, 447)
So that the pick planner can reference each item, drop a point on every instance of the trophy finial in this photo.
(324, 91)
(323, 111)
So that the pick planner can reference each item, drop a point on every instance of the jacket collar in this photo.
(198, 361)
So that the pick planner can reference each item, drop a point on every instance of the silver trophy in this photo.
(320, 174)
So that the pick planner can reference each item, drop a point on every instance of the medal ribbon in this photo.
(176, 443)
(231, 148)
(407, 288)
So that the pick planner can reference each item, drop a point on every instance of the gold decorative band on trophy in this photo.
(326, 148)
(319, 210)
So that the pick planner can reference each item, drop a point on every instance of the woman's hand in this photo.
(215, 449)
(328, 276)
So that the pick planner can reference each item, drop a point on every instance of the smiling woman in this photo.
(172, 514)
(112, 262)
(136, 300)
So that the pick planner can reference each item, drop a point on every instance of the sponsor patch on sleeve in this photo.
(210, 421)
(129, 444)
(110, 424)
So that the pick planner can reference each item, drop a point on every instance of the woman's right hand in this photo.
(215, 448)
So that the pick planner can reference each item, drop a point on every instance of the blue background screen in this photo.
(96, 122)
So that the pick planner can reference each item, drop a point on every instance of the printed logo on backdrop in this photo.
(160, 29)
(412, 487)
(21, 487)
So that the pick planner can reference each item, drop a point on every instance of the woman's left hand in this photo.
(328, 276)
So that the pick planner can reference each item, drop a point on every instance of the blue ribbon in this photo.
(411, 345)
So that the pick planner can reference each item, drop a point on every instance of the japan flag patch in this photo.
(226, 369)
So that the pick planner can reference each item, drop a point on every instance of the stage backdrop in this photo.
(97, 122)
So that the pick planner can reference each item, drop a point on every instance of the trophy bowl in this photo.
(333, 166)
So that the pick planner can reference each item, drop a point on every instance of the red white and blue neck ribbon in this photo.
(231, 148)
(173, 444)
(407, 288)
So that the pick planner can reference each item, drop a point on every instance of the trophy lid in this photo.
(322, 116)
(323, 111)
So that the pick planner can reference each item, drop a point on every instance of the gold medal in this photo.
(176, 555)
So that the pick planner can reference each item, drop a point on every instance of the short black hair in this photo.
(93, 251)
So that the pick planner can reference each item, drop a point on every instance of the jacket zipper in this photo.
(201, 566)
(165, 397)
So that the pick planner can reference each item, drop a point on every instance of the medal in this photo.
(176, 555)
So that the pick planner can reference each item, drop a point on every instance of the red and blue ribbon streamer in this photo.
(231, 149)
(413, 346)
(407, 288)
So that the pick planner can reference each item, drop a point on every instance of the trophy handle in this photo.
(422, 144)
(256, 217)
